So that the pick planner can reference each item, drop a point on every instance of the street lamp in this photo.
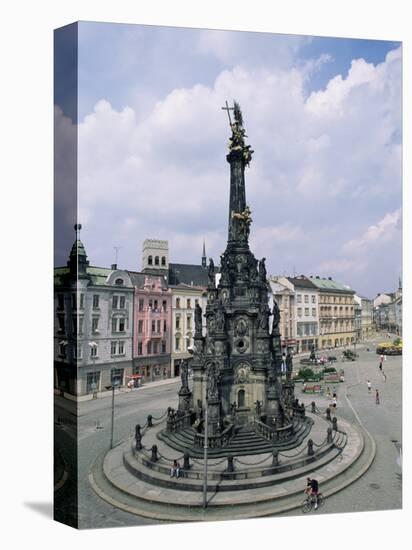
(112, 387)
(191, 350)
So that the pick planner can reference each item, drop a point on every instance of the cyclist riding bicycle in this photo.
(312, 489)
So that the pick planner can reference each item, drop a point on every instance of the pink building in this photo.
(152, 319)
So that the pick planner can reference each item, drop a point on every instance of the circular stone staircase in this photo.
(260, 484)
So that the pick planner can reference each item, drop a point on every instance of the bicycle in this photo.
(309, 503)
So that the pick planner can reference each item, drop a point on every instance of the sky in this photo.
(323, 116)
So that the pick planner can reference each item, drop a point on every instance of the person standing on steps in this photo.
(377, 398)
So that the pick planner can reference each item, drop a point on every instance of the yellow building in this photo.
(336, 313)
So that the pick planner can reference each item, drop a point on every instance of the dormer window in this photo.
(119, 281)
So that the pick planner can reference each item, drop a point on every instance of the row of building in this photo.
(387, 311)
(120, 326)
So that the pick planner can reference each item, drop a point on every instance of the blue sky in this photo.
(324, 118)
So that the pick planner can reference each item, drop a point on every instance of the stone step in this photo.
(246, 441)
(126, 492)
(218, 481)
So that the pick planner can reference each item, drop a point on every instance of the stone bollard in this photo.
(310, 448)
(275, 458)
(138, 436)
(335, 423)
(313, 407)
(186, 461)
(328, 414)
(149, 421)
(154, 457)
(329, 435)
(230, 466)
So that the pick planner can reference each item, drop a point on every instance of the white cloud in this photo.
(316, 160)
(387, 229)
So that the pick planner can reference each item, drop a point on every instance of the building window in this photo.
(93, 379)
(299, 312)
(95, 324)
(299, 298)
(189, 322)
(74, 301)
(158, 326)
(163, 260)
(188, 303)
(62, 326)
(77, 350)
(313, 312)
(60, 301)
(178, 321)
(140, 326)
(155, 347)
(177, 343)
(164, 325)
(62, 349)
(164, 304)
(149, 348)
(93, 351)
(115, 302)
(163, 346)
(121, 348)
(306, 311)
(313, 299)
(139, 348)
(153, 326)
(95, 301)
(118, 324)
(74, 323)
(141, 305)
(306, 299)
(150, 260)
(119, 282)
(113, 348)
(156, 260)
(122, 302)
(81, 320)
(177, 303)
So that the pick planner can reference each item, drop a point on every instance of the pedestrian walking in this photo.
(377, 398)
(384, 376)
(334, 401)
(334, 394)
(369, 386)
(380, 367)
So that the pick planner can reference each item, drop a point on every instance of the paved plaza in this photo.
(378, 489)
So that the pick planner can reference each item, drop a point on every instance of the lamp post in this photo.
(191, 350)
(205, 449)
(112, 387)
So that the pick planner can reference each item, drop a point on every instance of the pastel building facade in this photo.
(93, 314)
(151, 327)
